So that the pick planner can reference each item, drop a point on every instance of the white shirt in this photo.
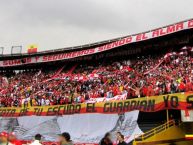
(47, 102)
(35, 142)
(10, 143)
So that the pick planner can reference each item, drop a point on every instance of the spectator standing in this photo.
(106, 140)
(4, 139)
(65, 139)
(13, 140)
(37, 140)
(120, 139)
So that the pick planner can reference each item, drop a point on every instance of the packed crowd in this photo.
(144, 76)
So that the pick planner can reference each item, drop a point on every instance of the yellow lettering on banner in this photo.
(179, 101)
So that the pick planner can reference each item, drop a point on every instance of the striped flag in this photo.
(32, 49)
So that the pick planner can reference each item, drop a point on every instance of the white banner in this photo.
(187, 115)
(127, 40)
(105, 99)
(84, 128)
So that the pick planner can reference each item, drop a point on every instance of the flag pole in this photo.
(167, 116)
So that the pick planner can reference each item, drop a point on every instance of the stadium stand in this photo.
(133, 84)
(144, 76)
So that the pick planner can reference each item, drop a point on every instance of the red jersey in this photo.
(16, 142)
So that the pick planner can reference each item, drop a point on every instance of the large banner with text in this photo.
(84, 128)
(123, 41)
(180, 101)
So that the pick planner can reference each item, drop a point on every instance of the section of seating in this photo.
(143, 76)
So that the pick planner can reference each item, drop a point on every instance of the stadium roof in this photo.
(178, 33)
(80, 47)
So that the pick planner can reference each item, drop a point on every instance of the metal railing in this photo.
(154, 131)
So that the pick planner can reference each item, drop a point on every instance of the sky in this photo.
(53, 24)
